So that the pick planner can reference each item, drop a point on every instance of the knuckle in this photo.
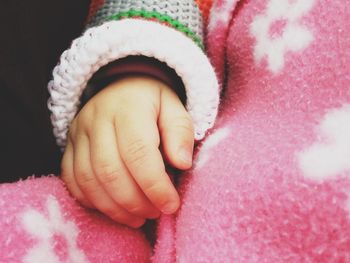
(107, 209)
(137, 152)
(122, 217)
(155, 190)
(85, 180)
(107, 173)
(135, 209)
(131, 207)
(118, 215)
(184, 123)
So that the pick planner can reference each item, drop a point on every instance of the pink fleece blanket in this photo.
(40, 222)
(271, 183)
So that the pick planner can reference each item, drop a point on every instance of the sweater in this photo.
(118, 29)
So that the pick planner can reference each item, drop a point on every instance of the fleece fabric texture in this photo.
(272, 181)
(41, 222)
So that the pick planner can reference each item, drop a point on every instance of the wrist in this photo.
(137, 66)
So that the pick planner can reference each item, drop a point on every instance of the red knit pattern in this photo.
(204, 6)
(94, 6)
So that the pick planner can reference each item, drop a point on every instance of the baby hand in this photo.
(112, 161)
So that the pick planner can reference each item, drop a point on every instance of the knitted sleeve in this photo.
(169, 31)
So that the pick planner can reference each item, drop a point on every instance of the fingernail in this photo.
(185, 156)
(170, 208)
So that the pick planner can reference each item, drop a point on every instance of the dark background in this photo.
(33, 34)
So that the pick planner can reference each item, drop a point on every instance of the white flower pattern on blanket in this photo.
(210, 142)
(329, 156)
(51, 233)
(279, 31)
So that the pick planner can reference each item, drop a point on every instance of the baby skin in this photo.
(117, 147)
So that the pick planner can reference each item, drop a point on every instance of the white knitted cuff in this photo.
(117, 39)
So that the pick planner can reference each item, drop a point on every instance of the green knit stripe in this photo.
(162, 18)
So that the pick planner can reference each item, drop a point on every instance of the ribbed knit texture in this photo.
(155, 16)
(185, 15)
(93, 8)
(186, 12)
(103, 44)
(118, 39)
(204, 7)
